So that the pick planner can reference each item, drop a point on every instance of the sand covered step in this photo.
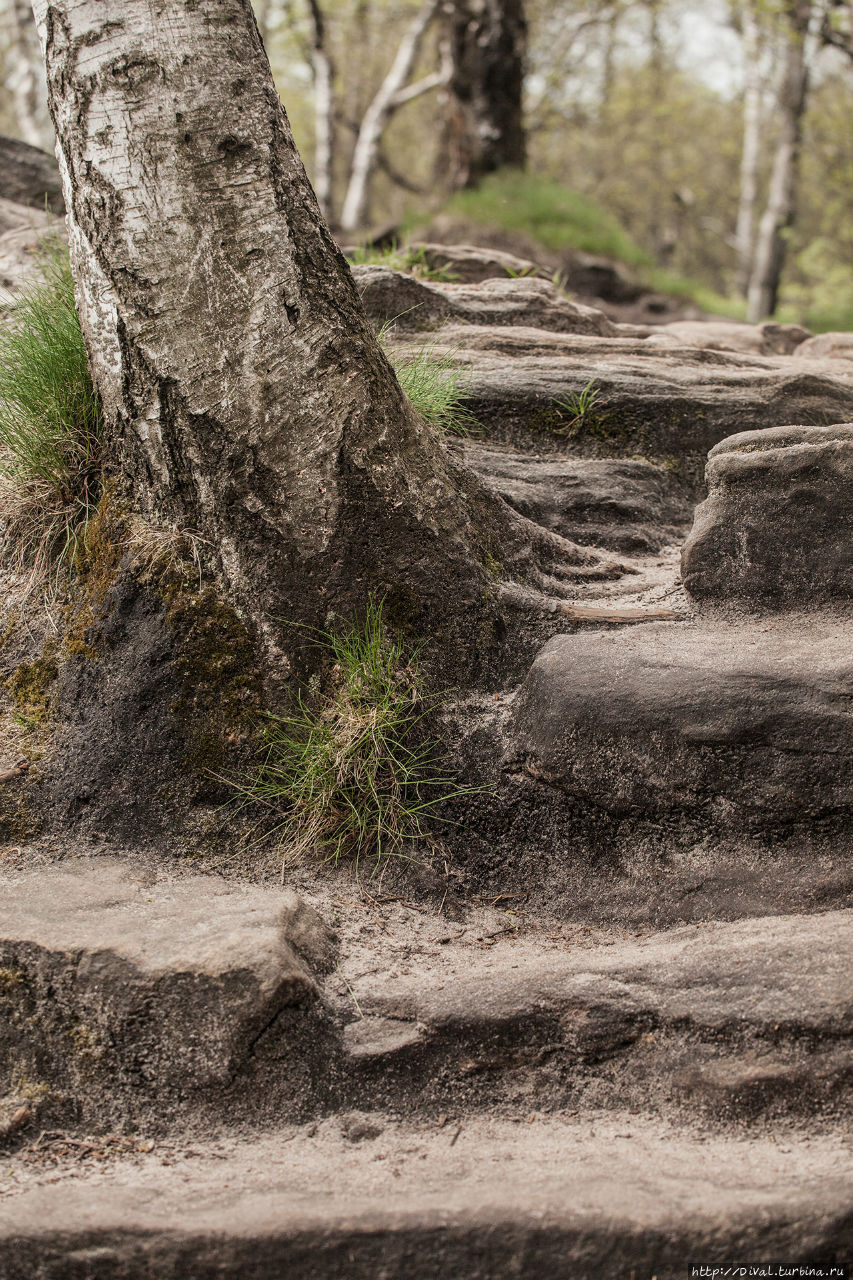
(361, 1197)
(652, 402)
(124, 990)
(624, 505)
(392, 296)
(734, 1020)
(777, 526)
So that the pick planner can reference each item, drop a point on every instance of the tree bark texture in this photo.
(485, 129)
(248, 396)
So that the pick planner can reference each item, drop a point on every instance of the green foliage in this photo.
(402, 258)
(556, 216)
(349, 772)
(434, 383)
(51, 426)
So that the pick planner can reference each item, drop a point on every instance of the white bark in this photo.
(779, 214)
(245, 393)
(25, 80)
(324, 111)
(392, 94)
(751, 150)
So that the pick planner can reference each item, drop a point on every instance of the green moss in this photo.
(97, 563)
(31, 684)
(10, 981)
(220, 675)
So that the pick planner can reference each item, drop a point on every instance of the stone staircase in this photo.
(612, 1039)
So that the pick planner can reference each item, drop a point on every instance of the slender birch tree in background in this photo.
(802, 21)
(25, 73)
(244, 390)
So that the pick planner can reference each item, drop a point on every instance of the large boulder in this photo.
(769, 339)
(777, 526)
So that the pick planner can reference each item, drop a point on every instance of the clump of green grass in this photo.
(51, 425)
(579, 407)
(349, 772)
(433, 382)
(402, 258)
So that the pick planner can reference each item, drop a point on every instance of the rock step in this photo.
(736, 1021)
(359, 1196)
(138, 998)
(673, 771)
(654, 402)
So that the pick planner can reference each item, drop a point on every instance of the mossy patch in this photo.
(31, 685)
(219, 670)
(98, 561)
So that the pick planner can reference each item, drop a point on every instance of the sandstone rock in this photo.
(826, 346)
(412, 304)
(127, 985)
(472, 264)
(777, 526)
(651, 402)
(21, 246)
(726, 335)
(624, 505)
(734, 727)
(521, 1195)
(29, 176)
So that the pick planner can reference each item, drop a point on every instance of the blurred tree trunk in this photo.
(324, 111)
(485, 129)
(751, 150)
(25, 79)
(244, 389)
(393, 93)
(802, 20)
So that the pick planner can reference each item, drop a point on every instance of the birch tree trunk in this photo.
(244, 388)
(25, 81)
(393, 93)
(780, 212)
(751, 149)
(324, 111)
(485, 131)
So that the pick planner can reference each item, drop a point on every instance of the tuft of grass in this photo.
(579, 407)
(51, 425)
(349, 772)
(402, 258)
(434, 383)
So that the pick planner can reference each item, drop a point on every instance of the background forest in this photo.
(686, 139)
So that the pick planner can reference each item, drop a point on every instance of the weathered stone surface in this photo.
(490, 1198)
(29, 176)
(739, 727)
(414, 304)
(766, 339)
(777, 526)
(122, 983)
(472, 264)
(827, 346)
(625, 505)
(652, 402)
